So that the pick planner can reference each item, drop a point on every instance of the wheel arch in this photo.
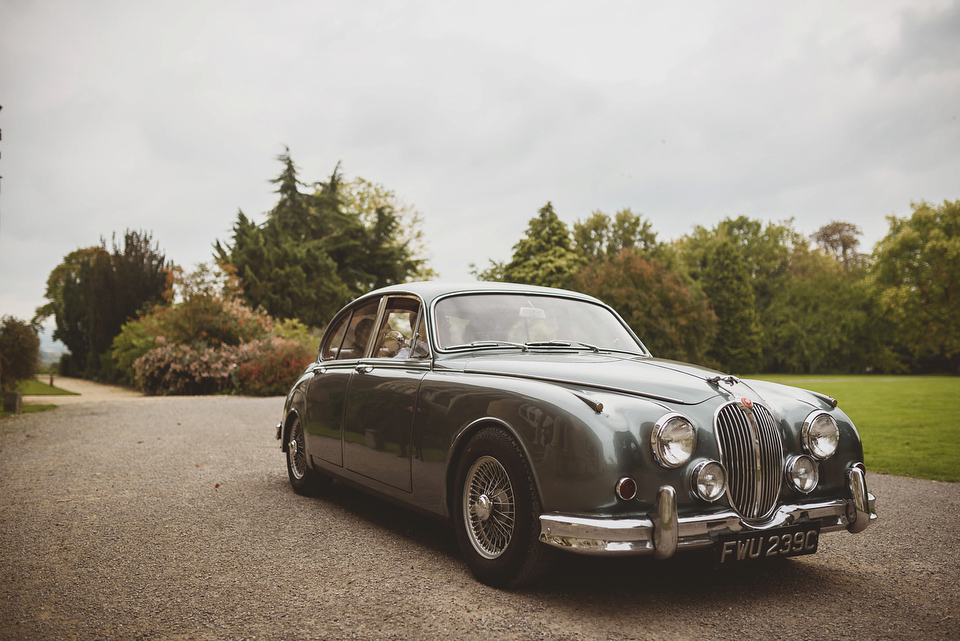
(458, 446)
(288, 420)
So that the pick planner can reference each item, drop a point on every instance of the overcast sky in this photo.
(168, 117)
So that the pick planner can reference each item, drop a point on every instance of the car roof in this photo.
(428, 291)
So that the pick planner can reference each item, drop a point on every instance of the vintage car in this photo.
(535, 420)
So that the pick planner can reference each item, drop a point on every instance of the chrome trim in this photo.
(665, 531)
(863, 501)
(752, 455)
(805, 434)
(655, 434)
(662, 534)
(695, 480)
(619, 489)
(532, 290)
(791, 477)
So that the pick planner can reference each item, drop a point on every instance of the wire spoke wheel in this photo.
(489, 507)
(296, 453)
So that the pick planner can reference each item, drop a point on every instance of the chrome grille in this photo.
(751, 451)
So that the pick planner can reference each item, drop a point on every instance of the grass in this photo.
(33, 387)
(910, 425)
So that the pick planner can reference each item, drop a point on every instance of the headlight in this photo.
(673, 440)
(802, 473)
(709, 481)
(820, 435)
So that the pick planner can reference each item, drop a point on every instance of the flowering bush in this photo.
(182, 369)
(257, 368)
(273, 369)
(212, 342)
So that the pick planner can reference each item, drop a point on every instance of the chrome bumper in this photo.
(662, 533)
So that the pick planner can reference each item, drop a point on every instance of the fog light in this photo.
(626, 488)
(709, 481)
(802, 473)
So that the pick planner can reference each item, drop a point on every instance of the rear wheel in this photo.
(303, 478)
(497, 512)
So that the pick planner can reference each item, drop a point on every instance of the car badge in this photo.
(746, 402)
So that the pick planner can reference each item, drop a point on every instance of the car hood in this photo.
(643, 376)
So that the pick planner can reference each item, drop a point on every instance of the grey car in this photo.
(534, 420)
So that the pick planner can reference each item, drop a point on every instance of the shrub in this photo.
(202, 322)
(182, 369)
(19, 352)
(273, 368)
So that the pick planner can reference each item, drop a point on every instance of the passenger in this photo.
(361, 334)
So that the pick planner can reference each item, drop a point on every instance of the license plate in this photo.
(745, 547)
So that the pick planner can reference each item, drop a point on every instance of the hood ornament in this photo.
(729, 380)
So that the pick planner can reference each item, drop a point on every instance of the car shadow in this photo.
(687, 577)
(433, 534)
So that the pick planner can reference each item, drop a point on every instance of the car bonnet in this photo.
(643, 376)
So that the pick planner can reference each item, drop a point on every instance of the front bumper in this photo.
(662, 532)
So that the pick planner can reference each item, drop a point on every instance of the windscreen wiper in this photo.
(559, 343)
(488, 344)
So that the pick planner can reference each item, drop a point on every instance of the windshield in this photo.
(524, 320)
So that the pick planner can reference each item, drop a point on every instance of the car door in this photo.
(343, 349)
(378, 440)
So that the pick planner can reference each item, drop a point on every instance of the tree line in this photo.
(744, 296)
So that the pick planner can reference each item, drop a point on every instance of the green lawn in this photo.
(910, 425)
(33, 387)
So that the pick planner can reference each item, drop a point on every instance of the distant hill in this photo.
(50, 350)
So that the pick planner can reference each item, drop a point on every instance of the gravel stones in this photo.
(173, 518)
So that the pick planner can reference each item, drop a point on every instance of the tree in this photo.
(544, 255)
(600, 237)
(916, 272)
(765, 249)
(841, 240)
(671, 317)
(316, 251)
(825, 318)
(94, 292)
(369, 201)
(289, 278)
(19, 352)
(738, 343)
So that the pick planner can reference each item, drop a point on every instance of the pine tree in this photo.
(313, 254)
(544, 256)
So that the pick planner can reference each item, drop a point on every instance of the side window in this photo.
(361, 328)
(331, 346)
(398, 335)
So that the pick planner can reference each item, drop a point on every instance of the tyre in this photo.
(496, 513)
(304, 479)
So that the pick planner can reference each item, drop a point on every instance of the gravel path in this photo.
(172, 518)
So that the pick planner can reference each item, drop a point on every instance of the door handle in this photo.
(364, 369)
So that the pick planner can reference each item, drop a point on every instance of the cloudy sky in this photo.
(168, 116)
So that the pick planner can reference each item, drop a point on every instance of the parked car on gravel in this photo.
(534, 420)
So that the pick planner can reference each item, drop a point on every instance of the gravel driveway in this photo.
(173, 518)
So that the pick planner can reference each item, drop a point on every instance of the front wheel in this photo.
(303, 478)
(497, 512)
